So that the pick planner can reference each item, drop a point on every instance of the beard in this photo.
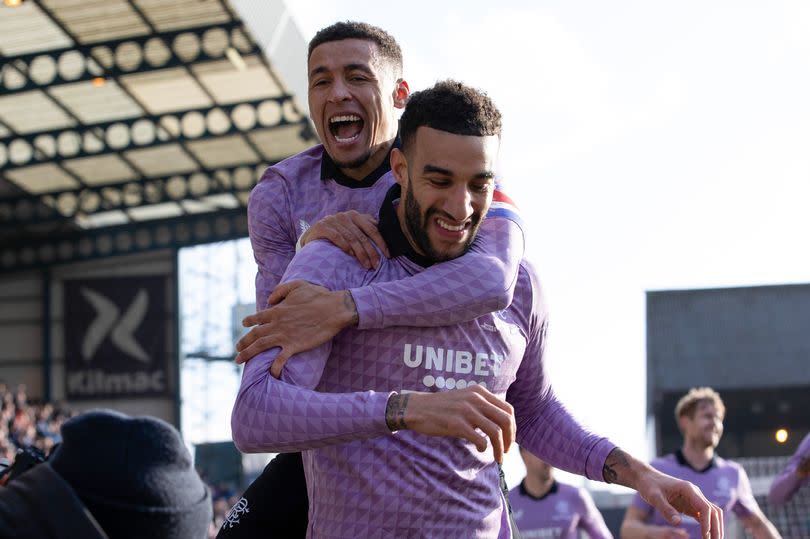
(356, 163)
(417, 223)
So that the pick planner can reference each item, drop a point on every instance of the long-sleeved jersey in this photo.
(363, 480)
(787, 484)
(301, 190)
(723, 482)
(559, 514)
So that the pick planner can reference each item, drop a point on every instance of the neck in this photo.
(697, 454)
(376, 159)
(403, 224)
(538, 487)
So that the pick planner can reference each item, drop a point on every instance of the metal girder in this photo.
(57, 145)
(125, 56)
(66, 204)
(124, 239)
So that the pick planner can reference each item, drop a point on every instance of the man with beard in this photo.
(355, 90)
(546, 508)
(402, 428)
(700, 416)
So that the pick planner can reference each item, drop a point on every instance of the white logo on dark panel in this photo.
(109, 321)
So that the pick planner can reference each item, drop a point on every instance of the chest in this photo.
(552, 517)
(312, 203)
(486, 351)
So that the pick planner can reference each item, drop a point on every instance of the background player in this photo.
(700, 416)
(545, 508)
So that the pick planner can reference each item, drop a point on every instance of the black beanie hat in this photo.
(135, 475)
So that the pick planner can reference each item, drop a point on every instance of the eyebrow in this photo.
(348, 67)
(486, 175)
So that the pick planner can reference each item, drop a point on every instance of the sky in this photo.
(649, 145)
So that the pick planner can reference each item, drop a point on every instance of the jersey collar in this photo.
(553, 490)
(683, 462)
(330, 171)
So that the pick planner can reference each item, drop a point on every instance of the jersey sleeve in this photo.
(544, 425)
(271, 236)
(479, 282)
(288, 415)
(591, 521)
(788, 483)
(745, 504)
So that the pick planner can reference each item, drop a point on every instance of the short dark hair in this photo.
(450, 106)
(387, 47)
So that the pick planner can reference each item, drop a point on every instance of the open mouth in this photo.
(346, 127)
(449, 227)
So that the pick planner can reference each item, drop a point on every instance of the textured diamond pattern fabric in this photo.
(291, 196)
(366, 482)
(725, 484)
(561, 513)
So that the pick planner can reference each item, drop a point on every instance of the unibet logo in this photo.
(480, 364)
(110, 321)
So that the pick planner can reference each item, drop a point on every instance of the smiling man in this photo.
(700, 416)
(333, 191)
(402, 428)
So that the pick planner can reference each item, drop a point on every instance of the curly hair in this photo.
(450, 106)
(696, 396)
(387, 47)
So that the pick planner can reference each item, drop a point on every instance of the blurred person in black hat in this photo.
(113, 477)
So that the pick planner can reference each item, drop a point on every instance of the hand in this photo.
(353, 233)
(306, 316)
(671, 497)
(472, 413)
(803, 469)
(667, 495)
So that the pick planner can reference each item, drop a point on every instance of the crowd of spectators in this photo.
(26, 424)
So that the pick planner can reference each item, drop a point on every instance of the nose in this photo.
(459, 203)
(339, 91)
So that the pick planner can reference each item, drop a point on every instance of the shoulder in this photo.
(666, 462)
(321, 262)
(300, 164)
(296, 171)
(724, 464)
(529, 299)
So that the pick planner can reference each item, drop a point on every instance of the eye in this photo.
(439, 182)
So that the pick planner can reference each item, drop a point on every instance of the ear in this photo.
(399, 167)
(682, 423)
(401, 94)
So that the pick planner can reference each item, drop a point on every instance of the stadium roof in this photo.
(129, 125)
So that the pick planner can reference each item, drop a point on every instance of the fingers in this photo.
(257, 346)
(278, 364)
(718, 516)
(368, 225)
(352, 233)
(282, 291)
(503, 415)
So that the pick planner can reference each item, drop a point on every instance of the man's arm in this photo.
(591, 521)
(272, 240)
(634, 526)
(546, 428)
(759, 526)
(479, 282)
(795, 475)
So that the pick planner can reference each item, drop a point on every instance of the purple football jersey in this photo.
(723, 482)
(301, 190)
(363, 480)
(559, 514)
(786, 485)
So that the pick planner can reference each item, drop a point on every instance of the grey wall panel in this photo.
(20, 342)
(729, 338)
